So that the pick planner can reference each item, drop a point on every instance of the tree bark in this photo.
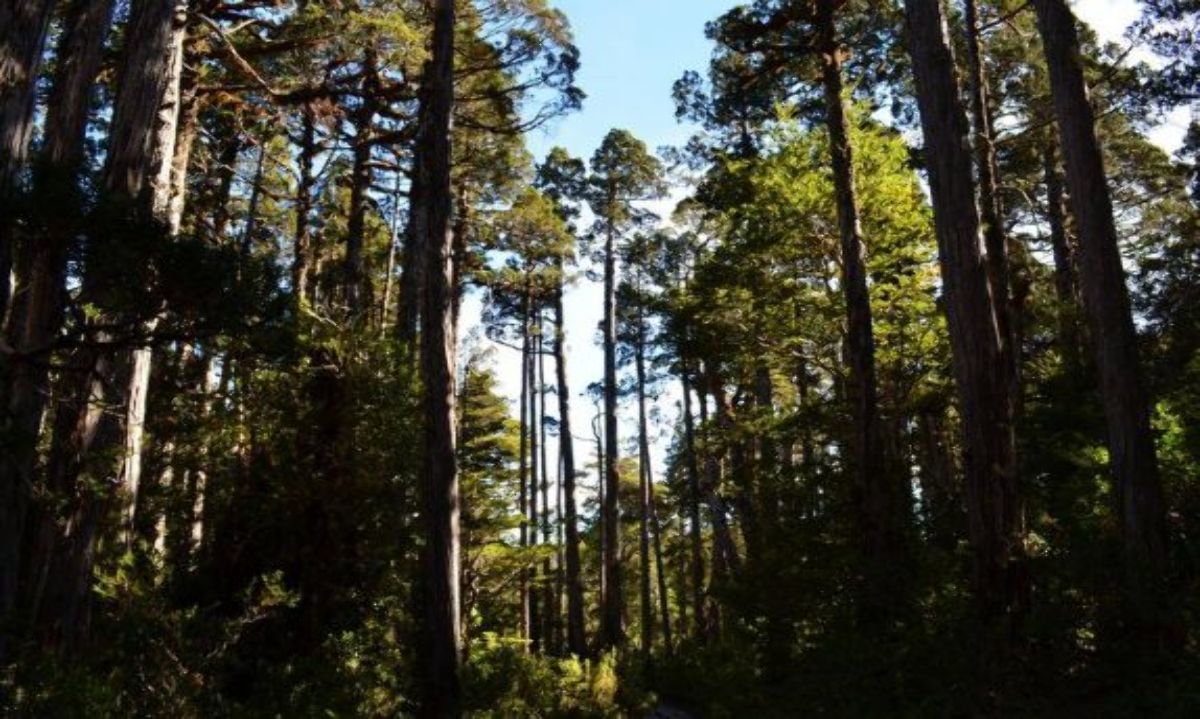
(664, 607)
(693, 473)
(879, 491)
(977, 339)
(644, 480)
(356, 290)
(726, 559)
(613, 604)
(535, 424)
(101, 392)
(549, 620)
(439, 470)
(23, 25)
(1063, 250)
(177, 127)
(412, 276)
(1132, 455)
(576, 638)
(523, 472)
(302, 246)
(37, 313)
(984, 142)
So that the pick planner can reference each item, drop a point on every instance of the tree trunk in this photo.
(664, 607)
(984, 142)
(693, 474)
(644, 480)
(1066, 276)
(356, 290)
(1132, 456)
(225, 172)
(613, 604)
(302, 246)
(535, 424)
(601, 478)
(878, 489)
(576, 639)
(725, 553)
(548, 617)
(412, 276)
(137, 176)
(23, 25)
(523, 472)
(940, 499)
(172, 150)
(37, 313)
(977, 340)
(440, 471)
(389, 277)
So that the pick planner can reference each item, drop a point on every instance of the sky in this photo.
(632, 51)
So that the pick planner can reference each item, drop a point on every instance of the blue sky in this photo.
(632, 52)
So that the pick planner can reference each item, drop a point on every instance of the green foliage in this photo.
(505, 680)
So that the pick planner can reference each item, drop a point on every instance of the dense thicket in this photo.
(920, 349)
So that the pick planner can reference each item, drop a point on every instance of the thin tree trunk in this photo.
(224, 175)
(613, 604)
(393, 238)
(1066, 276)
(977, 340)
(644, 480)
(356, 289)
(693, 473)
(723, 551)
(412, 276)
(302, 258)
(1132, 455)
(990, 213)
(939, 495)
(576, 639)
(601, 477)
(664, 607)
(523, 473)
(548, 618)
(535, 423)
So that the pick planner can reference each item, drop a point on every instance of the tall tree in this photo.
(623, 172)
(882, 495)
(995, 515)
(1132, 454)
(107, 375)
(439, 463)
(562, 178)
(40, 267)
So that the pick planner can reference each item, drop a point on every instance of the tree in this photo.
(1132, 453)
(985, 401)
(37, 313)
(623, 172)
(562, 178)
(25, 23)
(439, 469)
